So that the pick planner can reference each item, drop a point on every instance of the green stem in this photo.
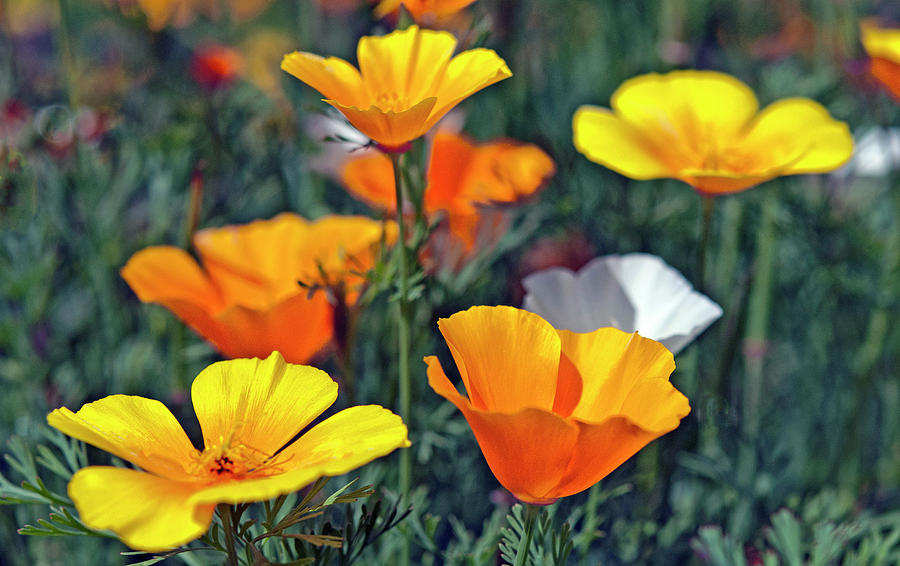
(709, 205)
(403, 347)
(224, 510)
(67, 53)
(531, 513)
(758, 311)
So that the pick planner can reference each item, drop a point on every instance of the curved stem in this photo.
(403, 347)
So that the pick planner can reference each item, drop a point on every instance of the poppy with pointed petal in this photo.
(247, 298)
(703, 128)
(406, 82)
(249, 411)
(553, 411)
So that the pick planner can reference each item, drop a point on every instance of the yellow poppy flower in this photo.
(249, 411)
(703, 128)
(406, 82)
(246, 299)
(883, 47)
(554, 411)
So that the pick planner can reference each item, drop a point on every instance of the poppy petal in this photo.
(139, 430)
(334, 78)
(163, 274)
(371, 178)
(467, 73)
(391, 129)
(508, 358)
(147, 512)
(340, 443)
(261, 404)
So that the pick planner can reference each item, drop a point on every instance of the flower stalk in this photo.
(224, 510)
(709, 205)
(531, 513)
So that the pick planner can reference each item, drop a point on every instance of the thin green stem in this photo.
(403, 346)
(709, 205)
(531, 513)
(224, 510)
(67, 53)
(758, 312)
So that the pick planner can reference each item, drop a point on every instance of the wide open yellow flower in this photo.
(703, 128)
(883, 47)
(406, 81)
(249, 411)
(246, 298)
(555, 411)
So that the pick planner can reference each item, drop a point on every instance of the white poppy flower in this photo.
(876, 153)
(633, 292)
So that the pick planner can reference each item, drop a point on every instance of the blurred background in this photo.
(111, 111)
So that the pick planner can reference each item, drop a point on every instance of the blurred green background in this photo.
(795, 391)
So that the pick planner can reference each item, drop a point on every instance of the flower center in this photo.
(228, 461)
(391, 101)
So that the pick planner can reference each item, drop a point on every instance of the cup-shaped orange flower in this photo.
(704, 128)
(883, 47)
(249, 411)
(247, 299)
(406, 81)
(423, 11)
(462, 175)
(555, 411)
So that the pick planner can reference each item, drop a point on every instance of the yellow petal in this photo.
(333, 77)
(139, 430)
(508, 358)
(607, 139)
(401, 68)
(337, 445)
(261, 404)
(528, 451)
(147, 512)
(390, 129)
(798, 135)
(880, 42)
(611, 364)
(467, 73)
(161, 274)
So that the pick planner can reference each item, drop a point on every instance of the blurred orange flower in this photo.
(423, 11)
(405, 83)
(553, 411)
(214, 66)
(704, 128)
(246, 299)
(461, 176)
(179, 13)
(883, 47)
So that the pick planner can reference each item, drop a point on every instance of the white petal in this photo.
(875, 154)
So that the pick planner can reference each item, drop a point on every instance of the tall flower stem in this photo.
(67, 53)
(403, 326)
(224, 510)
(758, 311)
(709, 205)
(531, 513)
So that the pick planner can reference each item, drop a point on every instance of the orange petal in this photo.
(340, 443)
(261, 404)
(506, 171)
(389, 128)
(147, 512)
(888, 73)
(508, 358)
(333, 77)
(528, 451)
(165, 274)
(611, 364)
(141, 431)
(371, 178)
(448, 166)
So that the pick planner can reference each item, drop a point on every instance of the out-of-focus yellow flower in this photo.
(704, 128)
(249, 411)
(423, 11)
(406, 82)
(553, 411)
(246, 298)
(883, 47)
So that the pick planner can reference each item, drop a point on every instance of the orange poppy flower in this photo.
(461, 176)
(249, 412)
(703, 128)
(246, 299)
(180, 13)
(406, 82)
(554, 411)
(214, 66)
(883, 47)
(423, 11)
